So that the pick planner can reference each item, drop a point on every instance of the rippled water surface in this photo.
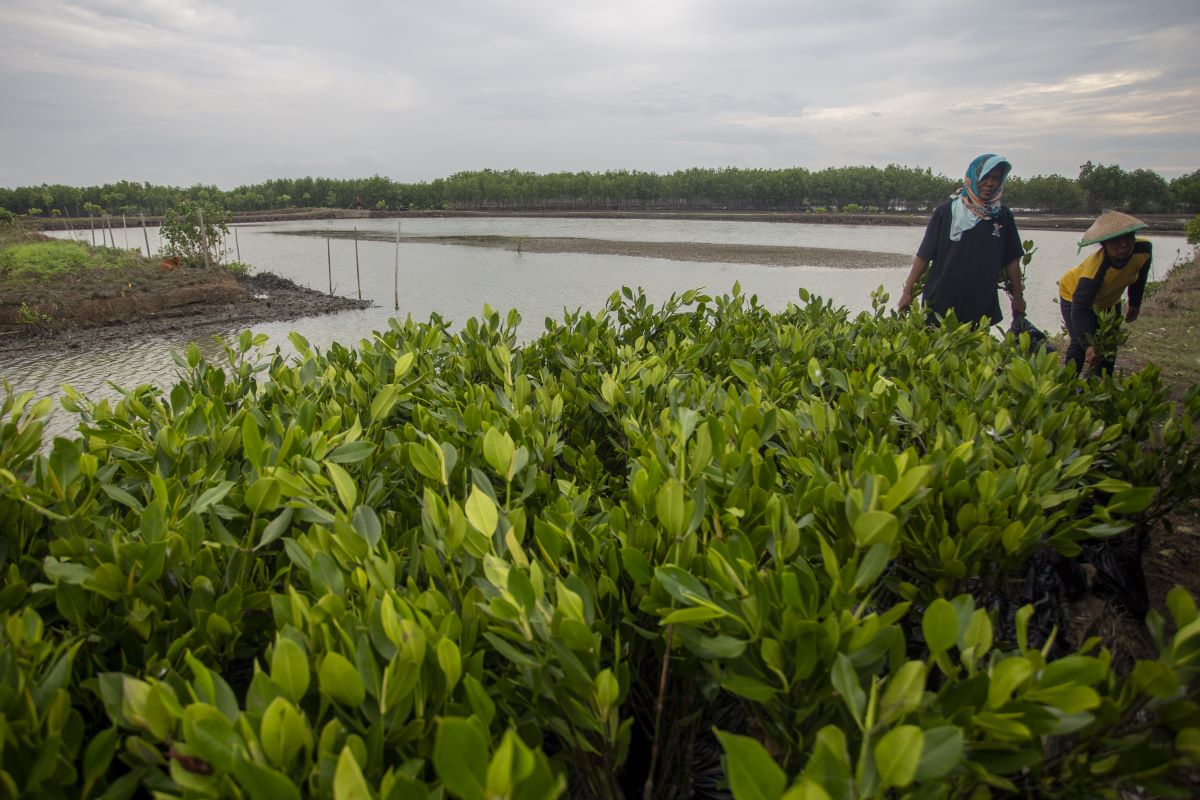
(457, 281)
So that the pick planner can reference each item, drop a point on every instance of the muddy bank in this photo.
(765, 255)
(197, 311)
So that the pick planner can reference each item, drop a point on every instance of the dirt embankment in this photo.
(84, 310)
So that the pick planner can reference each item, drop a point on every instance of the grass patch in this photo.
(36, 261)
(1166, 332)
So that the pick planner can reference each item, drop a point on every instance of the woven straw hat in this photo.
(1110, 225)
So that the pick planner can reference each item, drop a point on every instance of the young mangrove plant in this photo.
(657, 551)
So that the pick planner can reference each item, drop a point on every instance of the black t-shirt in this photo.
(963, 274)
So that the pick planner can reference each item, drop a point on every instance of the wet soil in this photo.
(768, 255)
(90, 309)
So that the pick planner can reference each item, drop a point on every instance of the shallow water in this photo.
(457, 281)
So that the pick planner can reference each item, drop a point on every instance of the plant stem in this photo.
(648, 792)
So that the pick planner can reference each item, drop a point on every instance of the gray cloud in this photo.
(185, 91)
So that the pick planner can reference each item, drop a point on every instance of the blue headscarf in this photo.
(967, 208)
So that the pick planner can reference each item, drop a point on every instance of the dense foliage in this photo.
(449, 565)
(859, 188)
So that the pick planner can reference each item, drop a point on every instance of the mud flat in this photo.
(81, 315)
(766, 255)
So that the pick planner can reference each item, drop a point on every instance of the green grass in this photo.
(33, 261)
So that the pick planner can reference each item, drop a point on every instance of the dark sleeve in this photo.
(929, 244)
(1083, 320)
(1138, 288)
(1012, 240)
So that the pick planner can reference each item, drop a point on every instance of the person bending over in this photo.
(1122, 262)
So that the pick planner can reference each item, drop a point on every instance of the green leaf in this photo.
(344, 484)
(684, 616)
(1131, 501)
(940, 626)
(845, 680)
(909, 484)
(252, 443)
(450, 660)
(941, 753)
(264, 495)
(341, 681)
(669, 505)
(213, 496)
(896, 755)
(875, 526)
(366, 524)
(289, 668)
(283, 733)
(1007, 676)
(460, 756)
(481, 512)
(871, 566)
(276, 528)
(351, 452)
(426, 462)
(348, 780)
(905, 689)
(752, 773)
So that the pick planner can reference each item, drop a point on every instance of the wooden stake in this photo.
(397, 274)
(126, 227)
(203, 236)
(329, 260)
(92, 225)
(357, 272)
(235, 244)
(145, 235)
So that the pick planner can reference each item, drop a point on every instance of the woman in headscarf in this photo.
(1121, 262)
(969, 241)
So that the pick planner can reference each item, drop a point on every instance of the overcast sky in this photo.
(228, 93)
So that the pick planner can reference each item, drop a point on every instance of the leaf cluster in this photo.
(445, 564)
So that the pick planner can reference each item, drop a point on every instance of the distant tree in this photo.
(1185, 192)
(1102, 185)
(1146, 191)
(1193, 230)
(285, 200)
(34, 211)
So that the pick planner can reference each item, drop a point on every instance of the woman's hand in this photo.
(1090, 355)
(1018, 306)
(905, 299)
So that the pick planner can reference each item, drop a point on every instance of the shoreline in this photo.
(268, 298)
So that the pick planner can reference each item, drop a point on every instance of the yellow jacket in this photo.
(1094, 283)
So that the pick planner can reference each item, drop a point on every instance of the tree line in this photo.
(857, 188)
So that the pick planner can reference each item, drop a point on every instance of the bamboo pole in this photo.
(237, 245)
(92, 226)
(125, 225)
(203, 236)
(329, 260)
(70, 230)
(397, 272)
(145, 235)
(357, 271)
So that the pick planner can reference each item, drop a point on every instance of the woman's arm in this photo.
(919, 266)
(1013, 270)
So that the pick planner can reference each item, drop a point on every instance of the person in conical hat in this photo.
(969, 242)
(1121, 264)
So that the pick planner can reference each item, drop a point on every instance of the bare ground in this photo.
(82, 312)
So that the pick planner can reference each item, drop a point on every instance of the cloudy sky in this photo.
(223, 92)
